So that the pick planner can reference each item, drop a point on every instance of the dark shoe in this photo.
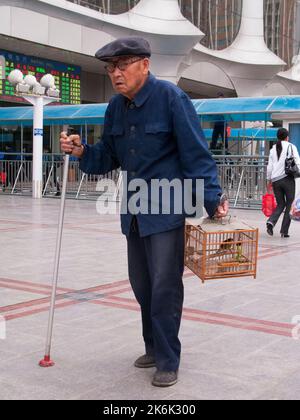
(285, 235)
(145, 362)
(58, 194)
(270, 229)
(164, 379)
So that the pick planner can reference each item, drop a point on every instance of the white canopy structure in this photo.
(291, 78)
(246, 66)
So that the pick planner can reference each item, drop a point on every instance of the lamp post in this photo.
(38, 95)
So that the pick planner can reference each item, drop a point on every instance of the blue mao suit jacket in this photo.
(156, 136)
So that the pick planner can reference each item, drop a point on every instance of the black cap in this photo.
(130, 46)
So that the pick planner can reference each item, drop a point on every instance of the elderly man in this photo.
(152, 131)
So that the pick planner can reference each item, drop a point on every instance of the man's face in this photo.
(130, 76)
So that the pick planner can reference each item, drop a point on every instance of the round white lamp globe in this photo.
(48, 81)
(15, 77)
(30, 80)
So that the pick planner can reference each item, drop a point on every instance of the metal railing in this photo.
(242, 177)
(16, 177)
(16, 174)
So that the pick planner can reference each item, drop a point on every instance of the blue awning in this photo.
(75, 114)
(246, 109)
(247, 134)
(232, 109)
(55, 115)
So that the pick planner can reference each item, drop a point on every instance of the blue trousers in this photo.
(219, 131)
(156, 265)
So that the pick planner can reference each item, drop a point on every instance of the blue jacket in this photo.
(156, 136)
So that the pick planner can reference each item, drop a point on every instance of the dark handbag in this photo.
(291, 168)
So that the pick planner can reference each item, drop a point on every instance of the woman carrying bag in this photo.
(281, 174)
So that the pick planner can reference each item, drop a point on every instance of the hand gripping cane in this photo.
(46, 361)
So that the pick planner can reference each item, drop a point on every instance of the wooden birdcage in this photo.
(215, 250)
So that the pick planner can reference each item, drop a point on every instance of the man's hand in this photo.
(71, 144)
(222, 210)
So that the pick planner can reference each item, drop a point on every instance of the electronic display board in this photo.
(67, 77)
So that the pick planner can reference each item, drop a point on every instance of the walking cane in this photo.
(46, 361)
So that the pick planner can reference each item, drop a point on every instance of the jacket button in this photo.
(132, 151)
(132, 106)
(132, 173)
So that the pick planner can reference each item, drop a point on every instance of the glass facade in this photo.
(220, 21)
(282, 31)
(108, 6)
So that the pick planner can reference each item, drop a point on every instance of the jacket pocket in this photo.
(157, 127)
(157, 138)
(117, 130)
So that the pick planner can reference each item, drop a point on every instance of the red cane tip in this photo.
(46, 362)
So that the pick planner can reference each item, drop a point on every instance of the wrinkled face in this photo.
(128, 74)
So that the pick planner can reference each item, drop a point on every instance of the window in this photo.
(219, 20)
(108, 6)
(282, 19)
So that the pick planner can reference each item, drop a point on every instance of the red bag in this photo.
(2, 177)
(268, 204)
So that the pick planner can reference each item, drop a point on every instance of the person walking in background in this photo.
(220, 130)
(284, 186)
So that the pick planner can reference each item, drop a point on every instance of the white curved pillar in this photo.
(169, 33)
(247, 61)
(291, 77)
(249, 45)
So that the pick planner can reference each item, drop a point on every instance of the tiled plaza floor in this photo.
(236, 334)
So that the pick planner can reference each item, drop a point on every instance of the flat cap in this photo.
(129, 46)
